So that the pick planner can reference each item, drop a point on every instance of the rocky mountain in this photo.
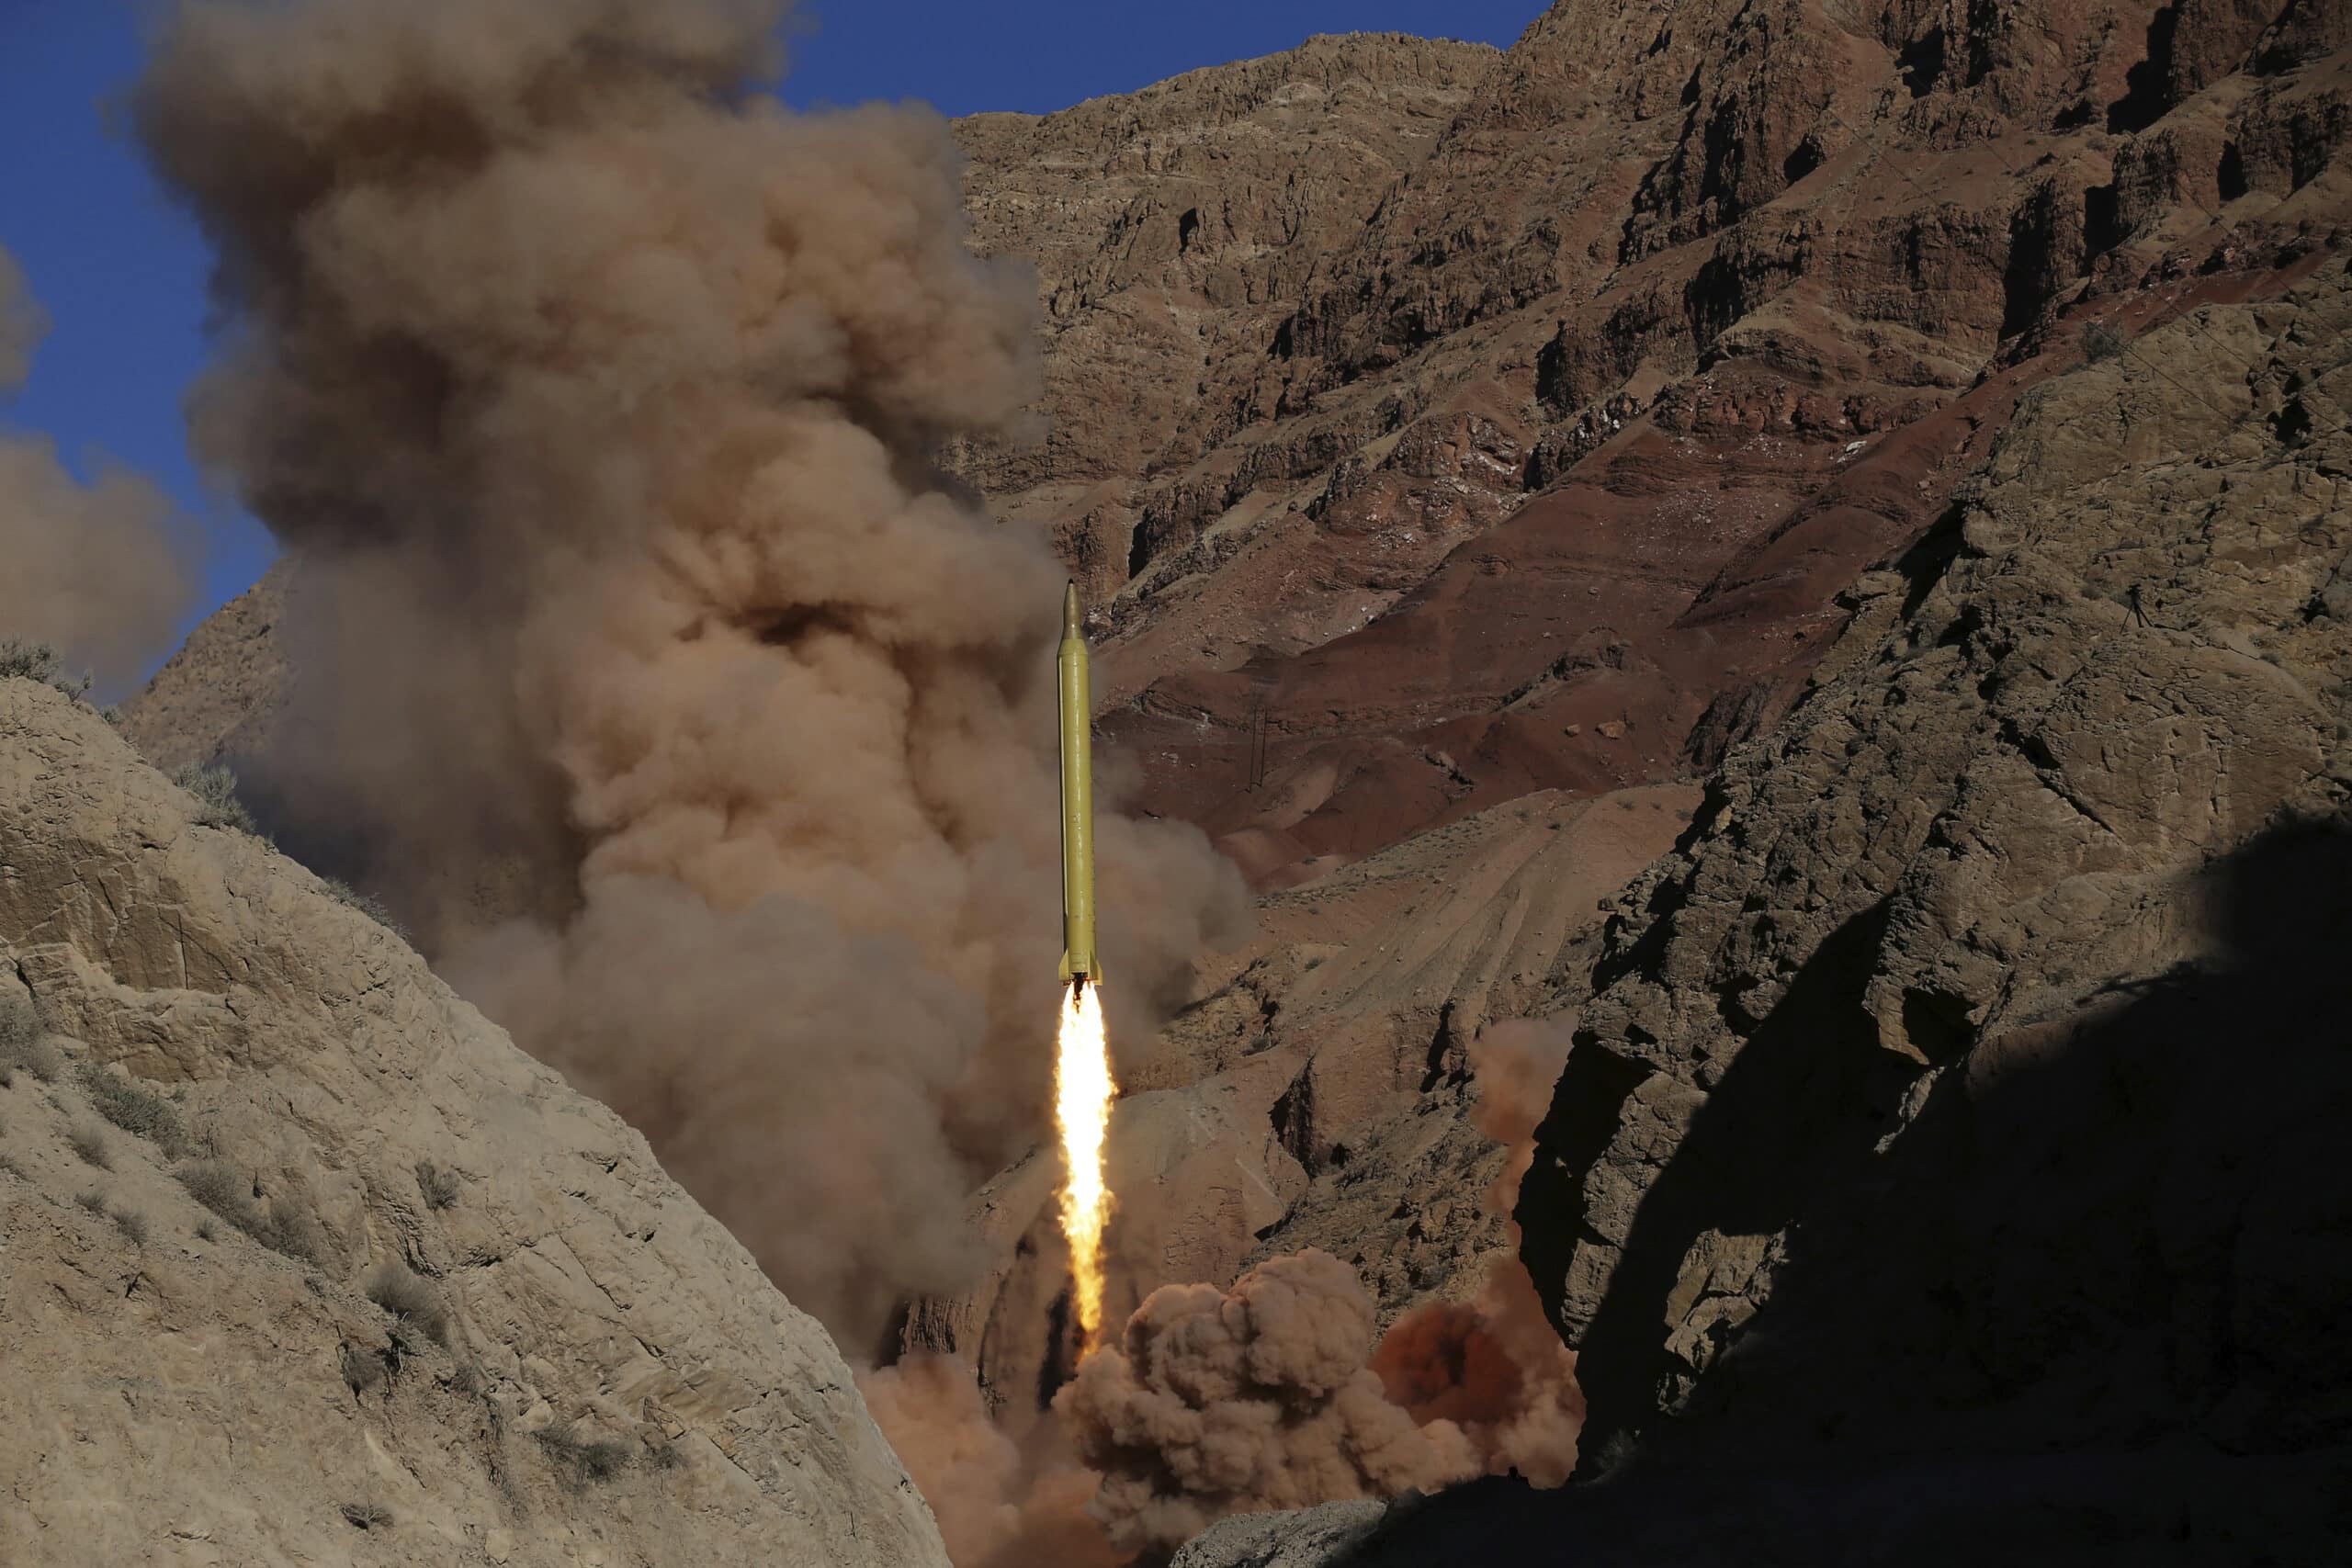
(1780, 374)
(1690, 317)
(1942, 1169)
(301, 1261)
(1978, 967)
(1802, 545)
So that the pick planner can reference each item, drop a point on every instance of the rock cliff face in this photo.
(1944, 1168)
(301, 1261)
(1730, 294)
(1978, 969)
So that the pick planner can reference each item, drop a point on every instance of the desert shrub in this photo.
(411, 1299)
(2101, 343)
(215, 788)
(142, 1112)
(95, 1202)
(24, 1045)
(441, 1187)
(367, 1516)
(28, 660)
(38, 662)
(366, 903)
(296, 1233)
(206, 1230)
(219, 1188)
(1618, 1452)
(288, 1227)
(581, 1459)
(132, 1224)
(89, 1141)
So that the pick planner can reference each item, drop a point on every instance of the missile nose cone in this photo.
(1069, 610)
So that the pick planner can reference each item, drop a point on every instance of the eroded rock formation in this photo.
(303, 1261)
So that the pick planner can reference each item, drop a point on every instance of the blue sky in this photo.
(122, 272)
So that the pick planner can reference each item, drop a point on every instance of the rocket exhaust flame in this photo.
(1082, 1094)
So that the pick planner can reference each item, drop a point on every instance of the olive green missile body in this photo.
(1078, 962)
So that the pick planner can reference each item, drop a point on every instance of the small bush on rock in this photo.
(411, 1299)
(87, 1141)
(581, 1459)
(23, 1045)
(140, 1113)
(441, 1187)
(215, 788)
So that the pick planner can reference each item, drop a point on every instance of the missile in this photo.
(1079, 964)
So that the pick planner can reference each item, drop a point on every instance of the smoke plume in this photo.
(1216, 1403)
(1494, 1369)
(1271, 1395)
(996, 1506)
(1495, 1366)
(102, 571)
(594, 392)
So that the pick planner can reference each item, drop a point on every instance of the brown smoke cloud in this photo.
(997, 1505)
(1271, 1395)
(593, 392)
(1495, 1366)
(102, 572)
(1222, 1402)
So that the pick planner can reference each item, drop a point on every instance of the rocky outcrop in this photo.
(1944, 1171)
(304, 1262)
(220, 694)
(1737, 308)
(1964, 1084)
(1173, 231)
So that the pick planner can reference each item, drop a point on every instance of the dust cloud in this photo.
(1222, 1402)
(648, 667)
(103, 573)
(1495, 1366)
(997, 1505)
(1273, 1395)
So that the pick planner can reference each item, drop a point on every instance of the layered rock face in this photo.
(303, 1262)
(1720, 290)
(1967, 1081)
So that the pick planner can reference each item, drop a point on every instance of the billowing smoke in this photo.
(102, 571)
(1495, 1366)
(1222, 1402)
(649, 668)
(1272, 1395)
(997, 1506)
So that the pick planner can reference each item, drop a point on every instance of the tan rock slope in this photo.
(301, 1261)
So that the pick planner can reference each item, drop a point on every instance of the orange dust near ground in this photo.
(1082, 1094)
